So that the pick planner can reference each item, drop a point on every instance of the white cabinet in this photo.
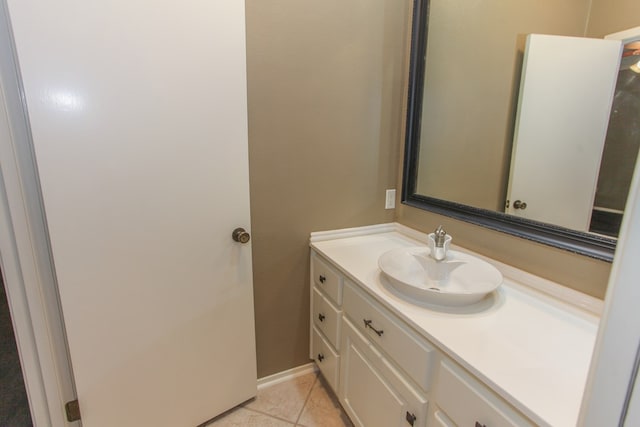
(326, 358)
(326, 279)
(385, 373)
(466, 402)
(326, 319)
(411, 353)
(372, 391)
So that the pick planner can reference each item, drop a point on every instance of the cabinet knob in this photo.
(480, 425)
(320, 357)
(322, 279)
(411, 418)
(321, 317)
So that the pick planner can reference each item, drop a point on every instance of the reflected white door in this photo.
(139, 122)
(563, 113)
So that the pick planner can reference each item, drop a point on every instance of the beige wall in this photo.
(474, 61)
(611, 16)
(325, 101)
(326, 97)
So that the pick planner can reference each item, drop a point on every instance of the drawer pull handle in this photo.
(367, 324)
(320, 357)
(321, 317)
(411, 418)
(480, 425)
(322, 279)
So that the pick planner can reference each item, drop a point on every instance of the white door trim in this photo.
(611, 377)
(625, 36)
(25, 257)
(612, 374)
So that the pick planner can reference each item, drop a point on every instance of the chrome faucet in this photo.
(439, 243)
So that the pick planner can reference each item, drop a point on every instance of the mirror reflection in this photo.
(527, 110)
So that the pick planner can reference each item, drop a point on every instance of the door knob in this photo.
(519, 204)
(240, 235)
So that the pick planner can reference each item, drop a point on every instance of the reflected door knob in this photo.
(519, 204)
(240, 235)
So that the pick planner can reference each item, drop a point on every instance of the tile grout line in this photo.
(257, 411)
(315, 381)
(293, 423)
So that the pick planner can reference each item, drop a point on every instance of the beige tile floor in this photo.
(305, 401)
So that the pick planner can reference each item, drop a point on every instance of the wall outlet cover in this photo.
(390, 202)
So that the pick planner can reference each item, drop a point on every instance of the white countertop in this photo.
(534, 351)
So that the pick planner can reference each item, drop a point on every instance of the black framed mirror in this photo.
(592, 244)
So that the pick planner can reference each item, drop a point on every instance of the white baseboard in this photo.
(287, 375)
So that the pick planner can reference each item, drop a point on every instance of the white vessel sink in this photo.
(458, 280)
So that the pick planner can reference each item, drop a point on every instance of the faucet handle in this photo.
(439, 236)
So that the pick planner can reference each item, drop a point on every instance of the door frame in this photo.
(25, 256)
(616, 357)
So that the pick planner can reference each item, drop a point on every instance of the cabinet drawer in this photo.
(327, 360)
(405, 347)
(372, 392)
(441, 420)
(326, 318)
(468, 402)
(327, 279)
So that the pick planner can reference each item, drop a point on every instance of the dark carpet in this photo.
(14, 406)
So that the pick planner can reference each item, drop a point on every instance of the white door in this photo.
(563, 112)
(139, 123)
(633, 410)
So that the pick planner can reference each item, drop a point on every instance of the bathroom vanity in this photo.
(520, 357)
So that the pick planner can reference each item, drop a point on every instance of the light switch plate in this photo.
(390, 202)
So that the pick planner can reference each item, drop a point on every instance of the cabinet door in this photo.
(327, 279)
(326, 359)
(326, 318)
(372, 392)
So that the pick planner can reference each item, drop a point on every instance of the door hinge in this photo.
(72, 409)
